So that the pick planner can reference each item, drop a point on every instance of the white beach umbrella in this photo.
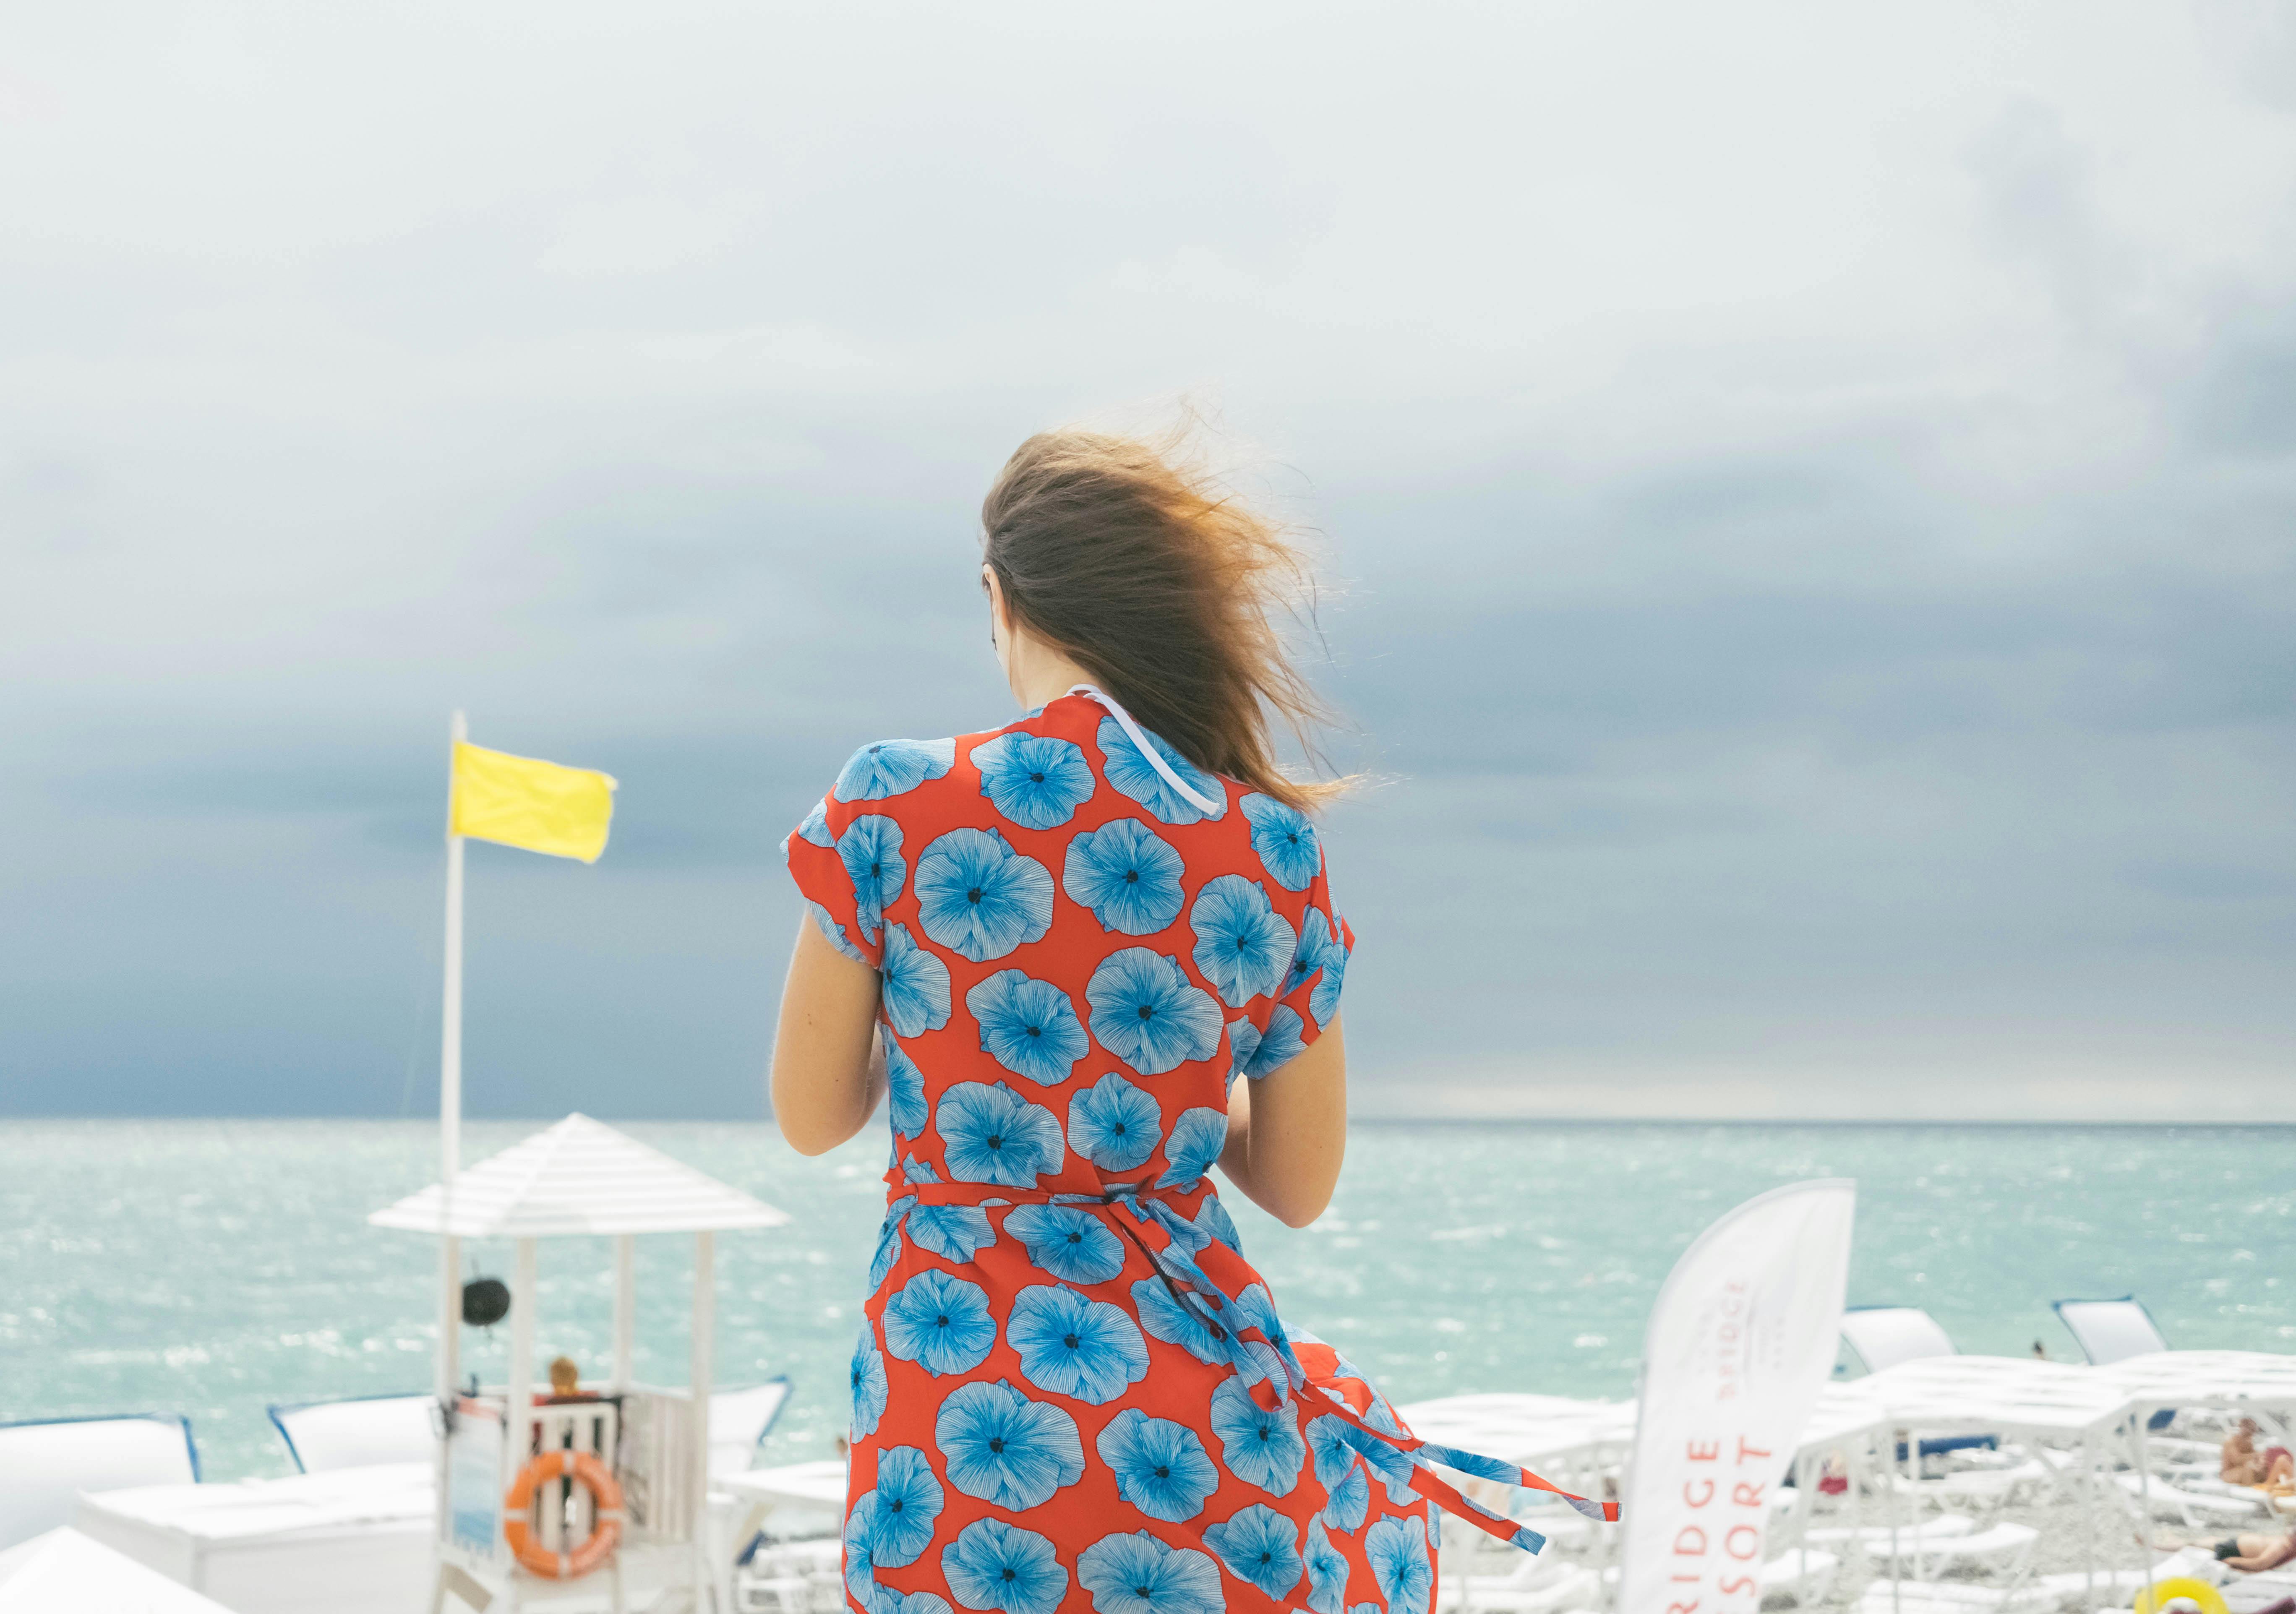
(578, 1177)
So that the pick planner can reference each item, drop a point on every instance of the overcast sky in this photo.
(1810, 493)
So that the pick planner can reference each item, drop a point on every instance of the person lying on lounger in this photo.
(2243, 1464)
(2252, 1552)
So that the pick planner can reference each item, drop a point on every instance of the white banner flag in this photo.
(1742, 1341)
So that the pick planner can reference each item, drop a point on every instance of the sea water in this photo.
(213, 1267)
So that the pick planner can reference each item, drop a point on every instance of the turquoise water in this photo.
(212, 1267)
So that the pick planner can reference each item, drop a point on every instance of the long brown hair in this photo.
(1167, 589)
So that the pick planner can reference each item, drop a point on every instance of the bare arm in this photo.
(1287, 1133)
(829, 1068)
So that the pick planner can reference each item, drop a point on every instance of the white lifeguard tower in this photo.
(579, 1178)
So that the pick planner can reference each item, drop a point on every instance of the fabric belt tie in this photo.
(1258, 1350)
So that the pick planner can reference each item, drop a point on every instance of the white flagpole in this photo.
(450, 1112)
(450, 1022)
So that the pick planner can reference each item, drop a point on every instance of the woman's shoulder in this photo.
(885, 768)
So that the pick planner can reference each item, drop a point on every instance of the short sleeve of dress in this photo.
(817, 851)
(1308, 1001)
(848, 858)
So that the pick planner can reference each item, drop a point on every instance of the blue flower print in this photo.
(1073, 1245)
(1197, 1138)
(1036, 780)
(868, 1380)
(978, 897)
(954, 1233)
(1127, 876)
(940, 1323)
(901, 1509)
(889, 1241)
(889, 1601)
(995, 1565)
(1286, 841)
(1327, 1573)
(1260, 1447)
(1212, 1220)
(905, 1091)
(1314, 936)
(1114, 1125)
(1391, 1464)
(1243, 945)
(1145, 1011)
(1242, 1043)
(860, 1567)
(1279, 1044)
(1136, 777)
(1190, 1239)
(892, 767)
(871, 851)
(1350, 1501)
(1160, 1466)
(1379, 1415)
(1260, 1545)
(916, 990)
(1482, 1467)
(1170, 1320)
(1323, 1002)
(1255, 1310)
(1002, 1448)
(1320, 948)
(1335, 1452)
(914, 1170)
(835, 933)
(1029, 1027)
(1073, 1345)
(1138, 1574)
(992, 1135)
(815, 827)
(1398, 1550)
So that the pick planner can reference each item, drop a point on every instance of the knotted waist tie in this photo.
(1257, 1351)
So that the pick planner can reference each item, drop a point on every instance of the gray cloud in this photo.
(1817, 582)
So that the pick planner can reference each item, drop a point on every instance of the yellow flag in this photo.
(538, 806)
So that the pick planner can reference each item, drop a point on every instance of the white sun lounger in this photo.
(2074, 1590)
(1877, 1536)
(1804, 1574)
(1572, 1588)
(2111, 1330)
(62, 1571)
(357, 1430)
(1950, 1597)
(46, 1463)
(1883, 1336)
(739, 1419)
(1988, 1486)
(2004, 1550)
(2174, 1448)
(2171, 1502)
(354, 1541)
(2245, 1593)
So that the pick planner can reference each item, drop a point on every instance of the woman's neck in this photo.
(1042, 676)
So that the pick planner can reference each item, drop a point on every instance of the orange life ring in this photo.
(584, 1469)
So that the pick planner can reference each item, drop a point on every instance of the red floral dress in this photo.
(1072, 1391)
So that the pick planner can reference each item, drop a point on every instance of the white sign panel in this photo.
(474, 1487)
(1742, 1341)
